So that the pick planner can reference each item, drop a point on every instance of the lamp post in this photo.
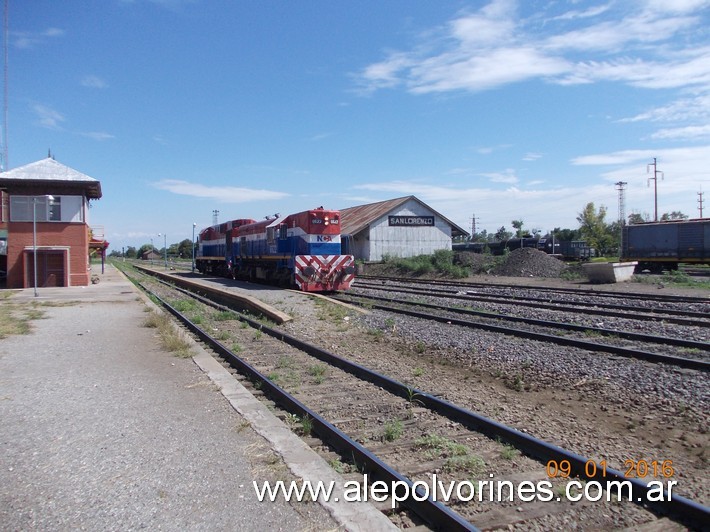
(193, 246)
(152, 250)
(165, 247)
(34, 235)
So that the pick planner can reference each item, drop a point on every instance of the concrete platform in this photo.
(101, 428)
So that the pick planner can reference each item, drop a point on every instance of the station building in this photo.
(401, 227)
(44, 223)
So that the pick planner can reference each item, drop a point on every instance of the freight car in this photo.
(564, 249)
(299, 250)
(663, 245)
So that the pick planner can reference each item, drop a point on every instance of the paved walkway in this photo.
(101, 429)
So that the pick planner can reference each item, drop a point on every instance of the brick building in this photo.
(44, 208)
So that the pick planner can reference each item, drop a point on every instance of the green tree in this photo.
(131, 252)
(518, 226)
(173, 250)
(184, 249)
(502, 234)
(566, 234)
(595, 230)
(675, 215)
(637, 218)
(481, 236)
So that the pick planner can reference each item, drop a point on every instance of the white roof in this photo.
(50, 170)
(46, 169)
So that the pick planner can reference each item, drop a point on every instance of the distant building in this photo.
(401, 227)
(44, 209)
(151, 254)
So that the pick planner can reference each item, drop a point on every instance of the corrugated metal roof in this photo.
(47, 170)
(355, 219)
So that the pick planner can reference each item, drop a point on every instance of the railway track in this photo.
(420, 434)
(585, 292)
(599, 306)
(491, 322)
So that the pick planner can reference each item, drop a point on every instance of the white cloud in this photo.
(530, 156)
(93, 82)
(591, 12)
(28, 40)
(48, 117)
(493, 47)
(97, 135)
(507, 176)
(678, 110)
(689, 132)
(221, 194)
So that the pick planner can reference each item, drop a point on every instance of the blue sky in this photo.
(504, 109)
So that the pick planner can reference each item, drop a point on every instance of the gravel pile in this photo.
(528, 262)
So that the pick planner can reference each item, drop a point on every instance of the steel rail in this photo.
(431, 511)
(676, 507)
(589, 308)
(606, 293)
(582, 344)
(664, 340)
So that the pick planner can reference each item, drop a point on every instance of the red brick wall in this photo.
(48, 234)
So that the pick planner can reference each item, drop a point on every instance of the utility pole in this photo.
(700, 203)
(215, 217)
(655, 186)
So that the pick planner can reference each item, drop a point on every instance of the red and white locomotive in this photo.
(300, 250)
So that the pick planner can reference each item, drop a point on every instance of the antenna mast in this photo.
(620, 186)
(473, 225)
(5, 30)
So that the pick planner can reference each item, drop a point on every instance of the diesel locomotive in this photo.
(300, 250)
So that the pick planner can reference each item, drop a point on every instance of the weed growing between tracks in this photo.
(673, 278)
(171, 339)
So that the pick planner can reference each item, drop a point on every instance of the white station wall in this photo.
(405, 241)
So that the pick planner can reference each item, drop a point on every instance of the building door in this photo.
(50, 268)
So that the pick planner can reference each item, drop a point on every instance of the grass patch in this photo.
(15, 319)
(440, 263)
(674, 278)
(376, 334)
(457, 456)
(393, 430)
(329, 311)
(184, 305)
(171, 339)
(318, 371)
(509, 452)
(225, 315)
(471, 464)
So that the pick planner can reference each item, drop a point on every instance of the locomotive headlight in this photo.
(327, 220)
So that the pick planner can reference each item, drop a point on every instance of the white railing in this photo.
(97, 232)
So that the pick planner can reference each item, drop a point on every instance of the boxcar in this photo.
(663, 245)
